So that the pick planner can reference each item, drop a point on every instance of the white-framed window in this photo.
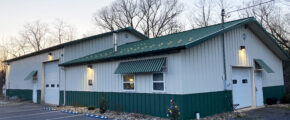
(129, 82)
(158, 82)
(90, 75)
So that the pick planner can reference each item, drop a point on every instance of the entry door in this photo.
(51, 78)
(34, 92)
(242, 93)
(259, 89)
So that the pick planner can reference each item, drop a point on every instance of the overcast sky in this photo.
(15, 13)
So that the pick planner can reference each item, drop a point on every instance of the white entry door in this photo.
(259, 89)
(34, 92)
(242, 92)
(51, 78)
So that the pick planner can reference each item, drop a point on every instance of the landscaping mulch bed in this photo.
(110, 114)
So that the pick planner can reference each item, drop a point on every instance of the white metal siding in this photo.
(21, 68)
(96, 45)
(203, 68)
(203, 64)
(106, 81)
(255, 49)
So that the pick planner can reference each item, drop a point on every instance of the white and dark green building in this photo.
(203, 72)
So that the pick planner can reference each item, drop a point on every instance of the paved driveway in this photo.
(29, 111)
(268, 113)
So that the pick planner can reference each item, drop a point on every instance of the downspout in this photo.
(64, 91)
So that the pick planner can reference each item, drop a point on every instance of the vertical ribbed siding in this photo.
(273, 92)
(255, 49)
(20, 93)
(155, 104)
(39, 96)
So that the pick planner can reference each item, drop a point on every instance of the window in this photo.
(158, 82)
(47, 85)
(245, 81)
(234, 81)
(52, 85)
(129, 82)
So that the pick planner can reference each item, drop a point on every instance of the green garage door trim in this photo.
(273, 92)
(155, 104)
(30, 75)
(24, 94)
(264, 66)
(141, 66)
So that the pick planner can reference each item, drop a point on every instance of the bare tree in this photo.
(152, 17)
(63, 32)
(201, 15)
(35, 34)
(269, 16)
(14, 47)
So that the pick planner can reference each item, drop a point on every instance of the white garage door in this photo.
(51, 78)
(242, 92)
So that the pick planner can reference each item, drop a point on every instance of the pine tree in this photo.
(173, 111)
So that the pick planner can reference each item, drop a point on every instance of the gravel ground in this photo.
(110, 114)
(272, 112)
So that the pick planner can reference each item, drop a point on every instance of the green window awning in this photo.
(30, 75)
(264, 65)
(141, 66)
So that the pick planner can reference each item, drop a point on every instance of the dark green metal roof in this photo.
(174, 41)
(264, 66)
(166, 43)
(141, 66)
(129, 29)
(30, 75)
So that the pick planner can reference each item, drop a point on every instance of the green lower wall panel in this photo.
(154, 104)
(20, 93)
(273, 92)
(39, 96)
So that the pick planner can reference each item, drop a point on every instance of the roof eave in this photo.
(284, 56)
(137, 55)
(205, 38)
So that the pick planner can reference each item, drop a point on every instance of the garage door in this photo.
(242, 92)
(51, 78)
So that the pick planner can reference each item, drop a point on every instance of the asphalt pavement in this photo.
(30, 111)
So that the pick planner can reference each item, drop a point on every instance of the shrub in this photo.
(103, 105)
(286, 98)
(271, 101)
(91, 108)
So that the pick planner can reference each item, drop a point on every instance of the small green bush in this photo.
(286, 98)
(91, 108)
(103, 105)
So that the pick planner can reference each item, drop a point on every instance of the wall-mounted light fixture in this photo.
(50, 57)
(90, 66)
(242, 47)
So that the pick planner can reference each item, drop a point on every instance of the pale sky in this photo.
(15, 13)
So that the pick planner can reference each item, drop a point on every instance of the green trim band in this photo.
(155, 104)
(24, 94)
(273, 92)
(39, 96)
